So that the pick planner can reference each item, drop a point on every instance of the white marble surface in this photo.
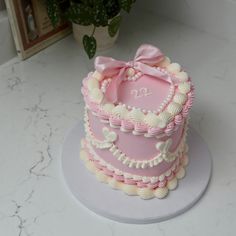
(40, 100)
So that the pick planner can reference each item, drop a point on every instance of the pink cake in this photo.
(136, 119)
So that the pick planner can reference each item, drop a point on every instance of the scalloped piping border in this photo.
(168, 174)
(133, 190)
(126, 125)
(120, 156)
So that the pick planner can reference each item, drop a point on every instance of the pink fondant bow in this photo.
(145, 58)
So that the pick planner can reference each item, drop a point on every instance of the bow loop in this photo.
(148, 54)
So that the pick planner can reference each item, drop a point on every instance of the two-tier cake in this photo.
(136, 119)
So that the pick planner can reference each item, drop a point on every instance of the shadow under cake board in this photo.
(116, 205)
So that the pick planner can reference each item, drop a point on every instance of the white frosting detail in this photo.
(172, 184)
(174, 67)
(164, 147)
(181, 173)
(165, 62)
(161, 192)
(174, 108)
(184, 87)
(109, 137)
(180, 98)
(136, 115)
(182, 76)
(145, 193)
(92, 83)
(108, 107)
(119, 111)
(98, 76)
(105, 84)
(152, 120)
(165, 117)
(96, 95)
(130, 72)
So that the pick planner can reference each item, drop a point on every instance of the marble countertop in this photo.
(40, 101)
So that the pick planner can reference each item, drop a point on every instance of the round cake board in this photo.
(116, 205)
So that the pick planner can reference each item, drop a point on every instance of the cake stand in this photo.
(116, 205)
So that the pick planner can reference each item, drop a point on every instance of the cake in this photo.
(136, 121)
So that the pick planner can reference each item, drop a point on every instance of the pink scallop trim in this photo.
(139, 183)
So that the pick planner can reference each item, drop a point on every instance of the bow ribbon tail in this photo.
(152, 71)
(113, 88)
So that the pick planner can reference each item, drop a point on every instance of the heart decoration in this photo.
(109, 136)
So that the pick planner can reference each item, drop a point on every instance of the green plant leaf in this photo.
(99, 14)
(53, 10)
(90, 45)
(80, 14)
(114, 26)
(126, 4)
(112, 8)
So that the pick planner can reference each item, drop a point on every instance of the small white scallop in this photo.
(180, 98)
(172, 184)
(83, 155)
(130, 72)
(145, 193)
(165, 117)
(145, 179)
(181, 173)
(174, 108)
(151, 119)
(182, 76)
(144, 165)
(165, 62)
(135, 115)
(154, 180)
(113, 183)
(92, 83)
(131, 164)
(161, 192)
(90, 166)
(161, 177)
(174, 67)
(137, 177)
(101, 177)
(186, 160)
(108, 107)
(98, 76)
(168, 173)
(96, 95)
(119, 111)
(184, 87)
(130, 189)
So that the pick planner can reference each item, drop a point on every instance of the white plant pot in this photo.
(104, 40)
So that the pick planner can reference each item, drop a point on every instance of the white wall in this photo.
(7, 48)
(214, 16)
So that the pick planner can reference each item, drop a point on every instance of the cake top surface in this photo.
(148, 95)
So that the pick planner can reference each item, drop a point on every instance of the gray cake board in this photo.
(116, 205)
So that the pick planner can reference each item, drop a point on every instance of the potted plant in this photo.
(95, 23)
